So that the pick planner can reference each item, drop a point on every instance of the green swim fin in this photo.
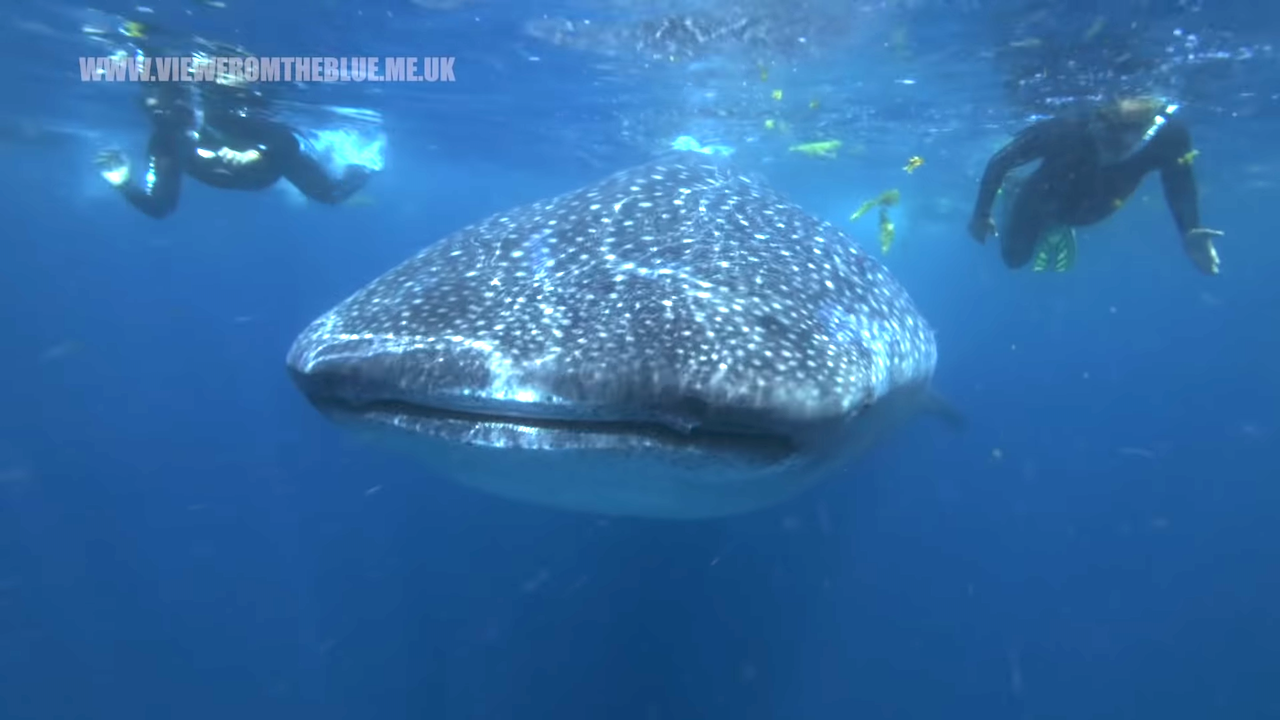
(1056, 251)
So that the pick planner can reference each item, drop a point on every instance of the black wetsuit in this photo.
(178, 147)
(1075, 185)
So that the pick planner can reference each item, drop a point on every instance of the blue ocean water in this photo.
(183, 536)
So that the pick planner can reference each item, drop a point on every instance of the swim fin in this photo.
(1056, 251)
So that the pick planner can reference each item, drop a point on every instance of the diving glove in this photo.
(1198, 245)
(113, 166)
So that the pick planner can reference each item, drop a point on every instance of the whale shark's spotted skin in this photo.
(677, 323)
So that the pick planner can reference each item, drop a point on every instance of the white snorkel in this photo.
(1157, 123)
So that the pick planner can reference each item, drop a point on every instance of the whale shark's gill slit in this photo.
(759, 447)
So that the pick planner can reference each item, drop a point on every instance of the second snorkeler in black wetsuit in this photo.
(1091, 163)
(222, 137)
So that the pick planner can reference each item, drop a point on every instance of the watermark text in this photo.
(240, 70)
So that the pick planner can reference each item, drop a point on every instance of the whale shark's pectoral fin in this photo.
(937, 406)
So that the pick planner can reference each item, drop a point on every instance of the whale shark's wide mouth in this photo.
(752, 446)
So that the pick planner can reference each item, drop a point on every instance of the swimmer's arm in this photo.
(1028, 146)
(1178, 177)
(156, 192)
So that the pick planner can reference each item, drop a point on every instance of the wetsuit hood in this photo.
(1123, 129)
(173, 106)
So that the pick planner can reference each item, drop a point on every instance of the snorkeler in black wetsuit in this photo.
(1091, 163)
(222, 137)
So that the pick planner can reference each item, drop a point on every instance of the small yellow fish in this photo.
(770, 124)
(777, 94)
(899, 43)
(1188, 158)
(886, 200)
(1095, 28)
(888, 230)
(825, 149)
(915, 161)
(815, 104)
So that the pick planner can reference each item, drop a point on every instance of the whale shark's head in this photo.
(674, 341)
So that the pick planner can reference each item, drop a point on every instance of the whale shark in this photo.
(675, 341)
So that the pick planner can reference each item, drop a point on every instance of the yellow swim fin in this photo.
(1056, 251)
(133, 29)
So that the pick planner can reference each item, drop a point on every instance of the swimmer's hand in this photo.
(1198, 245)
(233, 157)
(981, 226)
(113, 166)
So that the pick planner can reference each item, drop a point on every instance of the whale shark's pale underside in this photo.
(677, 340)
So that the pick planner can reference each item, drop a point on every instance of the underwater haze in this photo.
(182, 535)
